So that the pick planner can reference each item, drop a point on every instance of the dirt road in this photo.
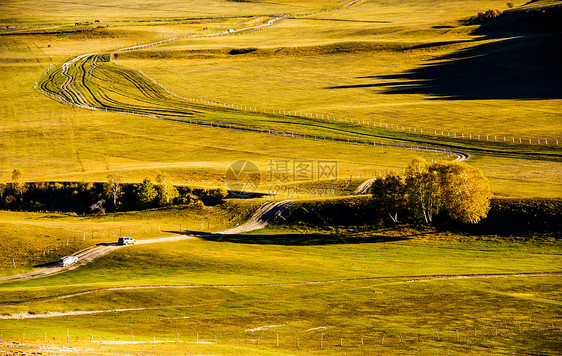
(257, 221)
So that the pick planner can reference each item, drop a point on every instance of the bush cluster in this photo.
(484, 16)
(94, 198)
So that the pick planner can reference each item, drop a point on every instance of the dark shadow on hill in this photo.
(518, 68)
(523, 22)
(299, 239)
(523, 67)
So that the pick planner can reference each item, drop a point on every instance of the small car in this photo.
(68, 260)
(125, 240)
(230, 30)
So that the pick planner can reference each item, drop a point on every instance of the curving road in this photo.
(79, 90)
(257, 221)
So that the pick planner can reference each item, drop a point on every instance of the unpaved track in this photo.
(363, 188)
(69, 94)
(260, 218)
(257, 221)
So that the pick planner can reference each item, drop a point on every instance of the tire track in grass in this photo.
(175, 108)
(405, 279)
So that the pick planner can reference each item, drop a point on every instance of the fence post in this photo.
(258, 342)
(67, 335)
(197, 338)
(321, 339)
(277, 339)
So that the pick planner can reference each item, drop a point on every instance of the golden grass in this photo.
(50, 141)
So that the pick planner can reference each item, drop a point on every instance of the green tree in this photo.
(166, 191)
(112, 189)
(423, 190)
(465, 192)
(212, 196)
(390, 192)
(147, 193)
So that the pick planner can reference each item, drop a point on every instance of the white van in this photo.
(68, 260)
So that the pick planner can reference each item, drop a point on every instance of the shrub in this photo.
(484, 17)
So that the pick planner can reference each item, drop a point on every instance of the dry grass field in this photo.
(408, 73)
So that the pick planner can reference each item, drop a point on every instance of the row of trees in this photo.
(113, 195)
(453, 188)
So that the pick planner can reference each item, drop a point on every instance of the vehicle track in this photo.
(363, 188)
(158, 102)
(405, 279)
(257, 221)
(153, 94)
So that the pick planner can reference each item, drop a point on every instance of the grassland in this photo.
(373, 296)
(102, 143)
(379, 61)
(37, 238)
(379, 46)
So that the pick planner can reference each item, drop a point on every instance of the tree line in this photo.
(112, 195)
(438, 193)
(455, 189)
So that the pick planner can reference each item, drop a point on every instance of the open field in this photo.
(377, 72)
(367, 293)
(78, 144)
(36, 238)
(295, 62)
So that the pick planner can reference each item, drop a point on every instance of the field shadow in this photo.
(299, 239)
(47, 265)
(516, 68)
(523, 62)
(342, 20)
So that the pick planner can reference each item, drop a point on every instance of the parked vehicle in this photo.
(230, 30)
(125, 240)
(68, 260)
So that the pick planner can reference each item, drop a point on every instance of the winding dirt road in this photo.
(70, 94)
(363, 188)
(257, 221)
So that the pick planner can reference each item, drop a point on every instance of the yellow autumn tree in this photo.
(464, 191)
(423, 189)
(166, 191)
